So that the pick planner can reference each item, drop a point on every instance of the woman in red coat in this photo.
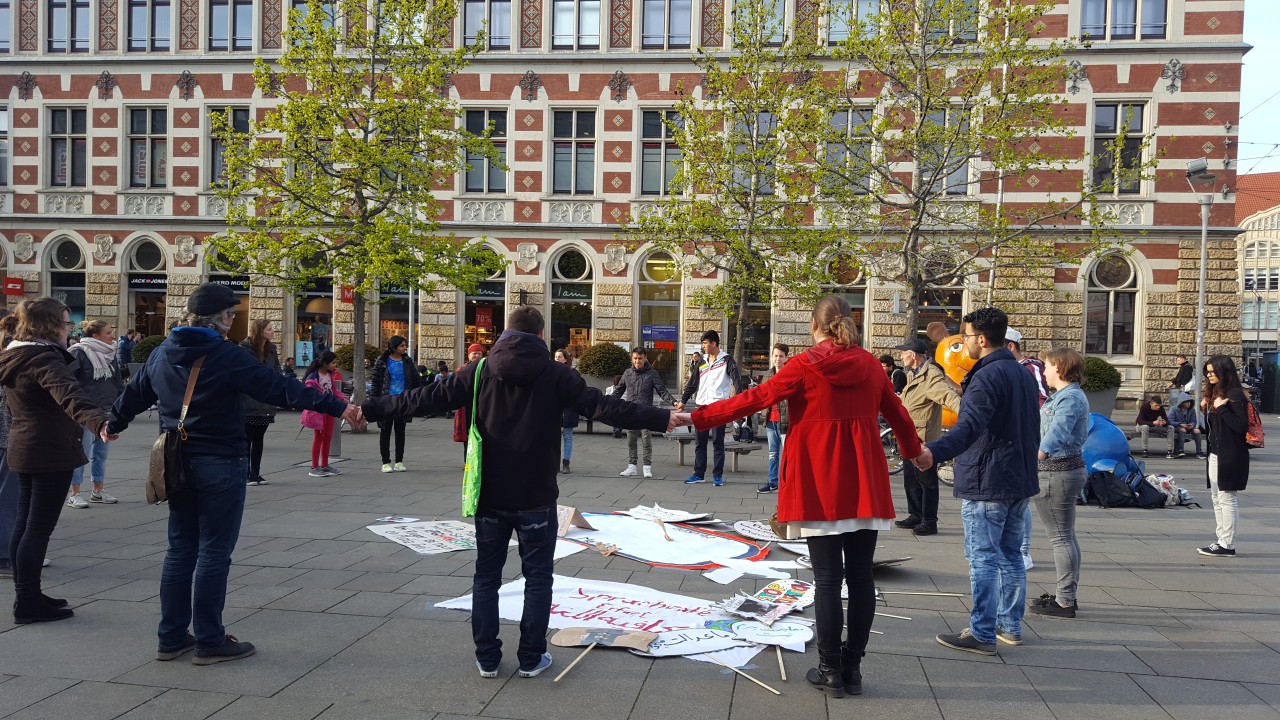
(834, 481)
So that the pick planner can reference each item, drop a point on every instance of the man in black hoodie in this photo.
(521, 397)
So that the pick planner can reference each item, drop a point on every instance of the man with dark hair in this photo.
(996, 439)
(776, 423)
(716, 378)
(1181, 381)
(895, 373)
(520, 398)
(639, 383)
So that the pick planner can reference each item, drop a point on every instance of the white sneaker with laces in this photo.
(1027, 562)
(386, 468)
(77, 502)
(399, 467)
(629, 472)
(648, 471)
(102, 497)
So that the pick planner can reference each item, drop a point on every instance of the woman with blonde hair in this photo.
(834, 479)
(259, 415)
(102, 379)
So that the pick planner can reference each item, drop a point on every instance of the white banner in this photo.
(431, 538)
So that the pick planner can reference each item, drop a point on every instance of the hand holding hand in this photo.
(678, 419)
(679, 406)
(924, 460)
(106, 436)
(354, 416)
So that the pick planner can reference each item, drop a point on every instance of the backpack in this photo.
(1109, 490)
(1254, 436)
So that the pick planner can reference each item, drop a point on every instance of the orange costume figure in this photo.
(951, 355)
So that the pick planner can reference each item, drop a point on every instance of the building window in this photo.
(659, 291)
(4, 147)
(940, 304)
(239, 122)
(498, 15)
(574, 161)
(849, 284)
(1117, 140)
(842, 20)
(148, 148)
(571, 291)
(659, 154)
(1261, 278)
(148, 25)
(302, 6)
(759, 128)
(961, 28)
(483, 174)
(1110, 313)
(67, 147)
(853, 153)
(230, 24)
(667, 24)
(68, 26)
(6, 25)
(575, 24)
(1257, 314)
(945, 166)
(757, 329)
(1123, 19)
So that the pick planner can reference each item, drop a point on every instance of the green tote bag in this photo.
(471, 470)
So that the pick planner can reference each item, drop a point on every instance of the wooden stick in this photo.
(898, 617)
(575, 662)
(718, 660)
(929, 594)
(877, 631)
(781, 670)
(664, 529)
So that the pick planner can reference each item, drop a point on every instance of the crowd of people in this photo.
(1016, 444)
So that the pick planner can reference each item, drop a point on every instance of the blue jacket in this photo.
(215, 420)
(995, 438)
(1064, 422)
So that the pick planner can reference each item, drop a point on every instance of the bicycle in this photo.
(891, 453)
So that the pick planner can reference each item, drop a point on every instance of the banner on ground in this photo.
(431, 538)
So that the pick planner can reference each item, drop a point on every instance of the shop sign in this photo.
(348, 294)
(571, 291)
(489, 290)
(153, 283)
(484, 317)
(239, 284)
(14, 286)
(658, 332)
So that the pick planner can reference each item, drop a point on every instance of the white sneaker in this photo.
(399, 467)
(102, 497)
(629, 472)
(648, 471)
(386, 468)
(1027, 562)
(77, 502)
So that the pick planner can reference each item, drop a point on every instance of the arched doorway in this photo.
(66, 276)
(659, 290)
(485, 315)
(571, 295)
(148, 284)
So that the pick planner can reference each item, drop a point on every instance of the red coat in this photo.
(833, 466)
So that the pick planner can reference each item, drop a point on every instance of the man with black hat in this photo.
(927, 391)
(204, 521)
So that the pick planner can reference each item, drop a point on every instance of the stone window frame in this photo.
(1134, 285)
(151, 36)
(1140, 23)
(650, 6)
(486, 10)
(575, 10)
(592, 276)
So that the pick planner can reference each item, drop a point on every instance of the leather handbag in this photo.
(166, 474)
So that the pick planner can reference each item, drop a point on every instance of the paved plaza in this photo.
(345, 629)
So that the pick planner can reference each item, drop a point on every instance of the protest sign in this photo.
(430, 538)
(750, 607)
(780, 633)
(605, 637)
(690, 548)
(397, 519)
(657, 512)
(567, 516)
(692, 641)
(756, 531)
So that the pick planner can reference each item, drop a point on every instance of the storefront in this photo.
(756, 340)
(147, 302)
(239, 285)
(571, 294)
(393, 314)
(944, 305)
(66, 277)
(313, 330)
(485, 315)
(659, 291)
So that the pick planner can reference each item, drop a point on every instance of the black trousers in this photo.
(846, 557)
(716, 435)
(922, 492)
(40, 500)
(256, 434)
(384, 439)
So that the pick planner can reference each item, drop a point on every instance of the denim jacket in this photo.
(1064, 422)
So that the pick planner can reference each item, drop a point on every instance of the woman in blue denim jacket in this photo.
(1064, 426)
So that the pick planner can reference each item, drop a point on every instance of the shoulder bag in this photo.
(471, 470)
(166, 474)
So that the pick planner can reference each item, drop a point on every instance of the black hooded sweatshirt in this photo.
(522, 395)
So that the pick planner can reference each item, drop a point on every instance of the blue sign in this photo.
(658, 332)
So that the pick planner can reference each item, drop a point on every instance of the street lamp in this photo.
(1199, 177)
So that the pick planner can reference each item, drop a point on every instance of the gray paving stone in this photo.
(24, 690)
(256, 708)
(255, 596)
(277, 558)
(1239, 660)
(308, 524)
(88, 701)
(437, 585)
(372, 709)
(377, 604)
(378, 582)
(133, 591)
(1087, 695)
(1270, 694)
(960, 697)
(324, 578)
(185, 704)
(601, 684)
(1187, 699)
(676, 688)
(311, 599)
(122, 639)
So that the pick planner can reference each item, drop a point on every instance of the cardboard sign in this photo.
(605, 637)
(754, 608)
(431, 538)
(657, 512)
(782, 633)
(567, 517)
(756, 531)
(694, 641)
(796, 593)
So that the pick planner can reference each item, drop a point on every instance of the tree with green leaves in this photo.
(338, 177)
(951, 151)
(739, 194)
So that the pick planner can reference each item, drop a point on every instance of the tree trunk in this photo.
(740, 324)
(914, 291)
(357, 361)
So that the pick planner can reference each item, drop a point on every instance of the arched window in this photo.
(571, 293)
(850, 284)
(485, 316)
(148, 285)
(1110, 311)
(659, 290)
(66, 276)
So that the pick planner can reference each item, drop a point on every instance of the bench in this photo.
(730, 446)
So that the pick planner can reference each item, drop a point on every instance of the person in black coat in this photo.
(1226, 409)
(395, 373)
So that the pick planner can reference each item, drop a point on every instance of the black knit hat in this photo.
(211, 299)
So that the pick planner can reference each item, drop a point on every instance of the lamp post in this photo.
(1199, 177)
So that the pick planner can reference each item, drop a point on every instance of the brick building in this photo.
(105, 201)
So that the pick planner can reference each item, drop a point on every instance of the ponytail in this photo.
(834, 318)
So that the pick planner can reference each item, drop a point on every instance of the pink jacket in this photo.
(311, 418)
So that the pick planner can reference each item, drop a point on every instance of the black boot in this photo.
(564, 467)
(35, 610)
(851, 661)
(827, 677)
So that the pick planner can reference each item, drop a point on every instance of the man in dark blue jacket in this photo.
(994, 443)
(204, 521)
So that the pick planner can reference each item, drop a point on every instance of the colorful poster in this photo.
(796, 593)
(484, 317)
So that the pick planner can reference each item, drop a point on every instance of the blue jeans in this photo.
(204, 524)
(8, 503)
(775, 451)
(536, 532)
(96, 451)
(567, 453)
(1025, 548)
(992, 538)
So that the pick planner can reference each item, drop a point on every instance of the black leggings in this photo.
(256, 434)
(846, 557)
(40, 500)
(384, 440)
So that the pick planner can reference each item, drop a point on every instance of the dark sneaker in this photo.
(1145, 454)
(766, 488)
(717, 481)
(330, 469)
(318, 472)
(174, 653)
(1008, 638)
(1053, 609)
(908, 522)
(925, 529)
(487, 673)
(1044, 599)
(1216, 550)
(694, 480)
(230, 649)
(38, 612)
(535, 671)
(1170, 456)
(964, 640)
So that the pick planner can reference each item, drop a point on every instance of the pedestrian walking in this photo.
(204, 518)
(925, 394)
(1064, 427)
(258, 416)
(324, 377)
(568, 418)
(1226, 408)
(49, 410)
(834, 490)
(995, 441)
(101, 378)
(520, 395)
(639, 383)
(393, 374)
(717, 378)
